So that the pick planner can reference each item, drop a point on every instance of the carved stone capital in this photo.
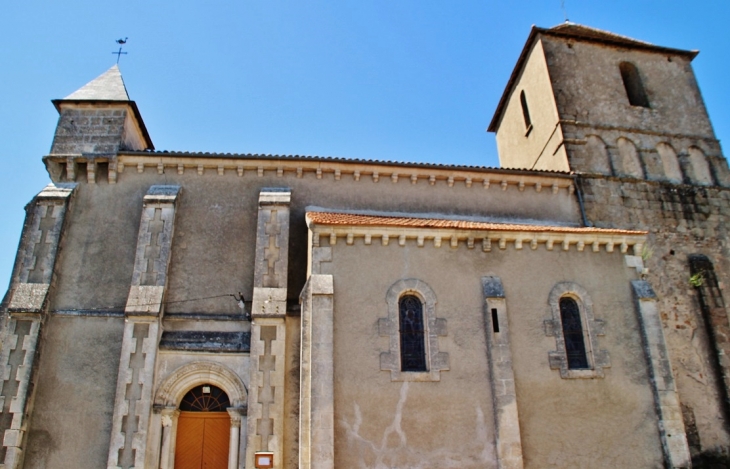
(236, 414)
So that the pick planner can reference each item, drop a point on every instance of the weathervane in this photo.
(121, 43)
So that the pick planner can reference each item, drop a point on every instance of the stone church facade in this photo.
(180, 310)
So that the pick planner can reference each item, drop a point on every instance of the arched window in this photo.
(634, 87)
(576, 331)
(412, 343)
(575, 347)
(525, 111)
(413, 331)
(205, 398)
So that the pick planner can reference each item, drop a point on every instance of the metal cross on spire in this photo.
(121, 43)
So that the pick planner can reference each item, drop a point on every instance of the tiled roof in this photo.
(109, 86)
(349, 219)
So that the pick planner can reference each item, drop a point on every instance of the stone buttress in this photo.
(133, 401)
(268, 328)
(506, 420)
(26, 311)
(317, 413)
(666, 400)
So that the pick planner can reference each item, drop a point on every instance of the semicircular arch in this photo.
(183, 379)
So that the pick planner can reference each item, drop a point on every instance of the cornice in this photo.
(596, 240)
(380, 172)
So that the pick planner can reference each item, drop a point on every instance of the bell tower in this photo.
(95, 122)
(585, 100)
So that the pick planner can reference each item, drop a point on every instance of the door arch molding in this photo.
(171, 392)
(186, 377)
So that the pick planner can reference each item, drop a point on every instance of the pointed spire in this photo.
(109, 86)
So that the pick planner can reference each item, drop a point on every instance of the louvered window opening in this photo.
(575, 348)
(412, 340)
(205, 398)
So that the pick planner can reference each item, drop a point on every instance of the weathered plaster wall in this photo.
(564, 422)
(540, 147)
(682, 220)
(71, 421)
(213, 246)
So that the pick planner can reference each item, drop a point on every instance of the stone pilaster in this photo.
(316, 424)
(133, 400)
(506, 421)
(268, 330)
(26, 304)
(666, 401)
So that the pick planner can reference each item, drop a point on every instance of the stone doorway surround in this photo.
(163, 424)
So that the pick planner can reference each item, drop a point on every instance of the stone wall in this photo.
(89, 130)
(682, 220)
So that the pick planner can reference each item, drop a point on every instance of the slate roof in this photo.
(109, 86)
(350, 219)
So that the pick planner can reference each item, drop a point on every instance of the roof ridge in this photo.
(571, 27)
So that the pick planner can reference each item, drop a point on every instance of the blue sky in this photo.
(396, 80)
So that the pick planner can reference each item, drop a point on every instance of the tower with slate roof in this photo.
(96, 122)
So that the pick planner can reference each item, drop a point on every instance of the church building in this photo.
(206, 310)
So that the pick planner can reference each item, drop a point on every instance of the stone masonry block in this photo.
(144, 299)
(28, 297)
(13, 437)
(492, 287)
(385, 327)
(322, 284)
(439, 327)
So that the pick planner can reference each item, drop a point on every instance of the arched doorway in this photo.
(203, 429)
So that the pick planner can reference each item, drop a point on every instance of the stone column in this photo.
(235, 442)
(268, 330)
(671, 425)
(316, 425)
(504, 396)
(168, 420)
(133, 400)
(26, 310)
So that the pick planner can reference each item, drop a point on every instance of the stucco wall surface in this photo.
(72, 417)
(539, 148)
(564, 422)
(215, 229)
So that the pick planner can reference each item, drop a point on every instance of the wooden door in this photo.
(202, 440)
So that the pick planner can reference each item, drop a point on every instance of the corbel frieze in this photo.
(256, 166)
(485, 240)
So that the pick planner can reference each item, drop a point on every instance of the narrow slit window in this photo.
(412, 340)
(525, 111)
(575, 348)
(495, 320)
(633, 84)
